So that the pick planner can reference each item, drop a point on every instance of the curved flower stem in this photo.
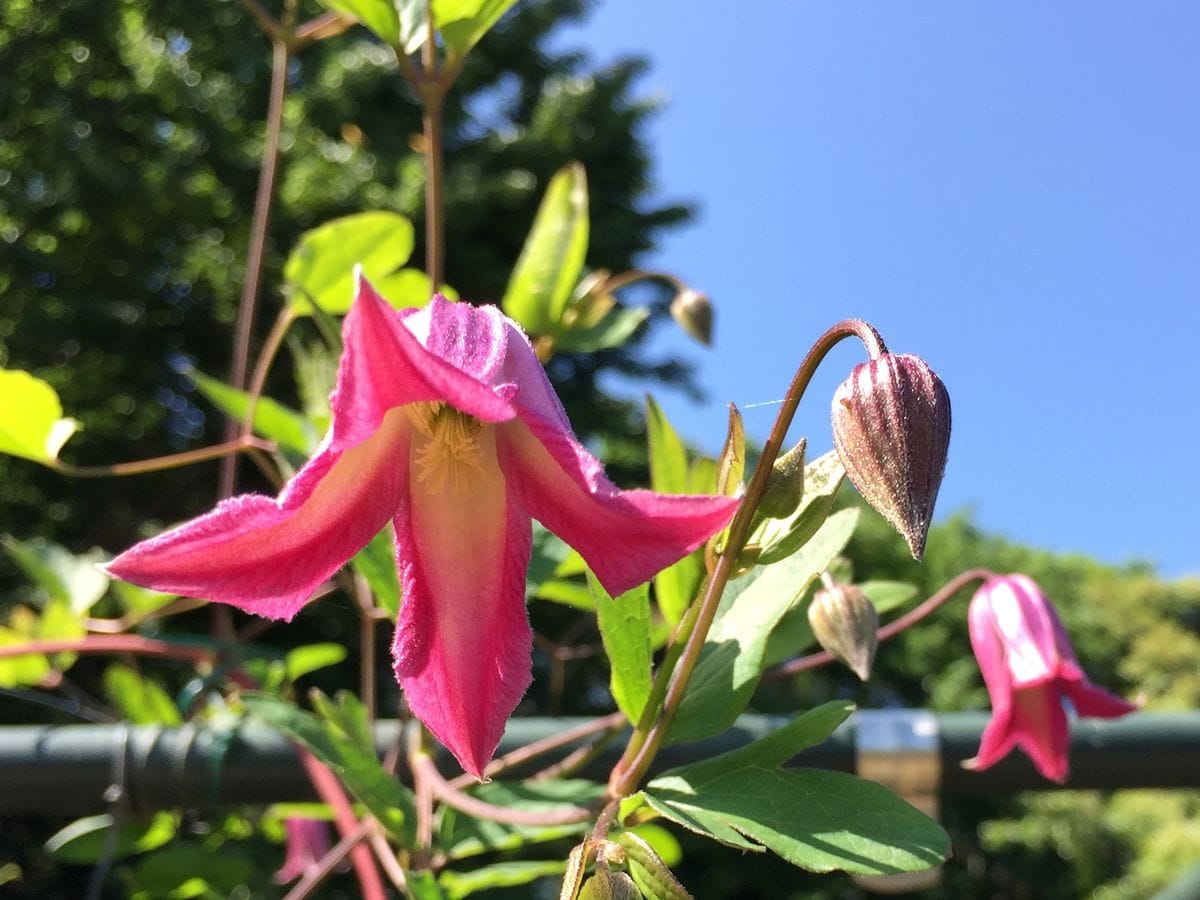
(893, 628)
(426, 770)
(159, 463)
(542, 747)
(283, 321)
(640, 753)
(131, 620)
(635, 275)
(111, 643)
(263, 200)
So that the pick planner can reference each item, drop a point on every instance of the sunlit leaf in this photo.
(612, 331)
(463, 22)
(76, 580)
(139, 699)
(311, 658)
(818, 820)
(378, 15)
(321, 267)
(31, 420)
(272, 420)
(553, 255)
(675, 585)
(376, 562)
(625, 630)
(86, 841)
(734, 654)
(409, 287)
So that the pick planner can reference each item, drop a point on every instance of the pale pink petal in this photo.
(625, 536)
(1025, 629)
(462, 647)
(471, 339)
(266, 556)
(989, 651)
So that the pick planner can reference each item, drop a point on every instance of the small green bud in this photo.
(846, 624)
(606, 885)
(693, 312)
(785, 486)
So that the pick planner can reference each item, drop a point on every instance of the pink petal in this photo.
(462, 647)
(1040, 726)
(266, 556)
(997, 740)
(1090, 700)
(625, 536)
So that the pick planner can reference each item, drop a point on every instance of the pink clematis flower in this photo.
(445, 423)
(1028, 666)
(307, 842)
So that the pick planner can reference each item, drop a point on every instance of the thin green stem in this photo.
(160, 463)
(640, 753)
(893, 628)
(432, 96)
(263, 201)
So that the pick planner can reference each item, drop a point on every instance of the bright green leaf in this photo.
(414, 28)
(376, 562)
(311, 658)
(408, 288)
(378, 15)
(552, 258)
(625, 630)
(22, 627)
(86, 841)
(548, 552)
(140, 700)
(733, 656)
(888, 595)
(139, 600)
(422, 885)
(675, 585)
(568, 593)
(74, 580)
(182, 869)
(780, 538)
(463, 22)
(814, 819)
(612, 331)
(505, 874)
(341, 739)
(31, 420)
(272, 420)
(321, 267)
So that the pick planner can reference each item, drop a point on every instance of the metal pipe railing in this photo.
(76, 769)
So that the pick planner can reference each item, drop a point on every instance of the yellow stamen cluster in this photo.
(449, 453)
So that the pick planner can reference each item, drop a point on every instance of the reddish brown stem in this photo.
(424, 767)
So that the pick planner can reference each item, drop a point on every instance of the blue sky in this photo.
(1011, 190)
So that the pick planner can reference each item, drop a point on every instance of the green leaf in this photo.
(321, 267)
(675, 585)
(272, 420)
(311, 658)
(410, 287)
(74, 580)
(463, 22)
(376, 562)
(414, 28)
(552, 258)
(733, 656)
(139, 600)
(888, 595)
(140, 700)
(378, 15)
(422, 885)
(780, 538)
(649, 870)
(341, 739)
(506, 874)
(182, 869)
(566, 592)
(86, 841)
(463, 836)
(31, 420)
(612, 331)
(821, 821)
(625, 630)
(548, 552)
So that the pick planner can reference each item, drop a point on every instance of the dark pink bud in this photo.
(891, 428)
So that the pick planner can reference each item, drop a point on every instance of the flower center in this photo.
(450, 452)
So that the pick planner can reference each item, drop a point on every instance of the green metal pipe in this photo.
(81, 769)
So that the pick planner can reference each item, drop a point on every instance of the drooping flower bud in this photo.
(845, 623)
(693, 312)
(891, 428)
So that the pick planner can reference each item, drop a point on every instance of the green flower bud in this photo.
(845, 623)
(693, 312)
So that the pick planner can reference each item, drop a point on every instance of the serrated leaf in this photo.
(311, 658)
(272, 420)
(75, 580)
(818, 820)
(376, 562)
(464, 22)
(85, 841)
(140, 700)
(674, 586)
(507, 874)
(625, 631)
(734, 654)
(552, 258)
(464, 836)
(31, 420)
(780, 538)
(321, 267)
(340, 738)
(379, 16)
(612, 331)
